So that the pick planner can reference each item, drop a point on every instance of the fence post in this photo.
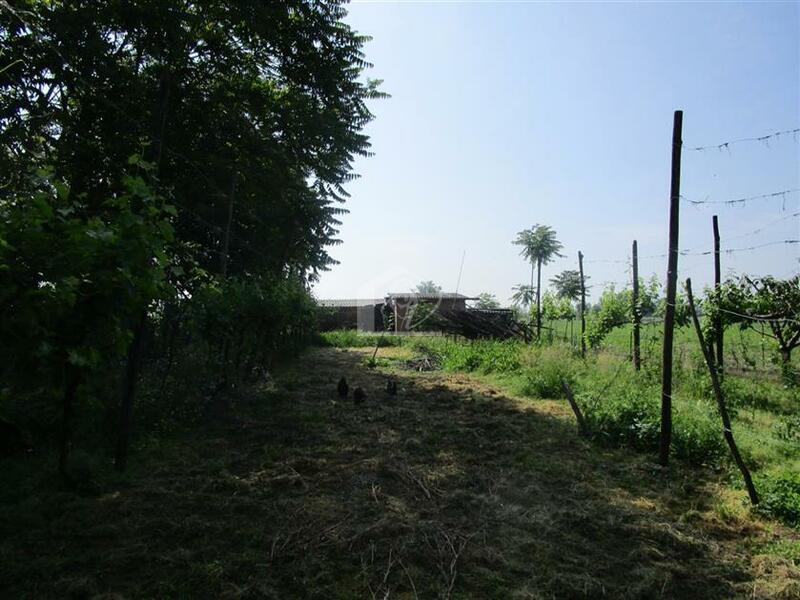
(723, 410)
(637, 315)
(672, 283)
(718, 331)
(583, 305)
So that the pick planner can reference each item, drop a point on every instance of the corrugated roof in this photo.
(334, 303)
(436, 296)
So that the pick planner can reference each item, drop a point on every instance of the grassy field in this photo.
(458, 487)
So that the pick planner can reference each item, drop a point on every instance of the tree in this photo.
(777, 301)
(428, 287)
(568, 285)
(539, 246)
(611, 311)
(487, 301)
(523, 295)
(248, 116)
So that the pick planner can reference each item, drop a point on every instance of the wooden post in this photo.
(582, 428)
(583, 306)
(723, 410)
(672, 284)
(718, 331)
(637, 314)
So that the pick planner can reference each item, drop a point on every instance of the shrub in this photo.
(545, 369)
(788, 428)
(626, 413)
(485, 356)
(351, 338)
(780, 497)
(697, 434)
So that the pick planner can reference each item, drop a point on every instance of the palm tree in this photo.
(540, 246)
(523, 294)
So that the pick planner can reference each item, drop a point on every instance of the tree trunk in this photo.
(786, 356)
(71, 382)
(539, 298)
(132, 368)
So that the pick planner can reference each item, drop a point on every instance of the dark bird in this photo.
(343, 388)
(391, 387)
(358, 395)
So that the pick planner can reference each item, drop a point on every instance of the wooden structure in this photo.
(403, 307)
(364, 314)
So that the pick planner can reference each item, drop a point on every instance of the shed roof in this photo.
(345, 302)
(434, 296)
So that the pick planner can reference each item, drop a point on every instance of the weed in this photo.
(780, 497)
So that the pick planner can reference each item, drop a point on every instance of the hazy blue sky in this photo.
(505, 114)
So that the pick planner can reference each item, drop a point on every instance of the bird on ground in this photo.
(343, 388)
(358, 395)
(391, 387)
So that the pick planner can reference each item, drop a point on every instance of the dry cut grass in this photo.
(451, 489)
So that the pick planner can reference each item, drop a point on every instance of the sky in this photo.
(507, 114)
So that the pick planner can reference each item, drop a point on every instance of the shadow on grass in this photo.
(445, 490)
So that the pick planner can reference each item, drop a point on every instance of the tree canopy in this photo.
(157, 156)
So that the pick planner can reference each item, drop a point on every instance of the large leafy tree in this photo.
(252, 111)
(760, 301)
(540, 247)
(568, 285)
(249, 115)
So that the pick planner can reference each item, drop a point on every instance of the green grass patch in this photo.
(350, 338)
(780, 497)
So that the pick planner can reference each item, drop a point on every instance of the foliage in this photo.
(248, 323)
(69, 313)
(523, 295)
(428, 287)
(788, 428)
(266, 98)
(487, 301)
(612, 310)
(539, 246)
(780, 497)
(556, 308)
(625, 410)
(545, 370)
(568, 285)
(349, 338)
(778, 302)
(485, 356)
(247, 117)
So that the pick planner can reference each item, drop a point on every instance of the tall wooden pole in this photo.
(583, 306)
(723, 409)
(637, 313)
(672, 282)
(718, 331)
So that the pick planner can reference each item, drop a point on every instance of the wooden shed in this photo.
(403, 304)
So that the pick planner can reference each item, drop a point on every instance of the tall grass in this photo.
(350, 338)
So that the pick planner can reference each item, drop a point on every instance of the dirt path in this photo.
(448, 489)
